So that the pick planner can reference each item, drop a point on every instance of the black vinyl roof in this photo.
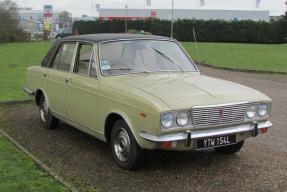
(97, 38)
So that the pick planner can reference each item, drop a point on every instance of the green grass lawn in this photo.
(19, 173)
(259, 57)
(16, 57)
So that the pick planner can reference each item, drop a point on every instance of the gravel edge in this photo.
(15, 102)
(41, 164)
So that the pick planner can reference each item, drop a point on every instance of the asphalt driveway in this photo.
(260, 166)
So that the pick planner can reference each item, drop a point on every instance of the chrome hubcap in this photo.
(44, 111)
(122, 145)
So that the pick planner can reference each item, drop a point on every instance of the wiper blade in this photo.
(131, 69)
(144, 71)
(162, 54)
(165, 56)
(169, 71)
(120, 68)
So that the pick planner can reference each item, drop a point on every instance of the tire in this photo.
(47, 119)
(125, 149)
(230, 149)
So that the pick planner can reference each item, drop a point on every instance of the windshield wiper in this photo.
(165, 56)
(120, 68)
(145, 71)
(162, 54)
(131, 69)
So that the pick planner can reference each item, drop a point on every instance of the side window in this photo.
(85, 61)
(66, 56)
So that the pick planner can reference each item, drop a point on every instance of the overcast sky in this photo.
(80, 7)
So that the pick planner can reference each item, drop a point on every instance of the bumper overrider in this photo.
(189, 137)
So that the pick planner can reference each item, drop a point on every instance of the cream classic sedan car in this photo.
(140, 93)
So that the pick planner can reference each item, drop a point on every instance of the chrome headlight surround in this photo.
(182, 118)
(175, 119)
(167, 120)
(257, 111)
(251, 111)
(262, 110)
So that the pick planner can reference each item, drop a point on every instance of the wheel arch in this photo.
(110, 121)
(38, 94)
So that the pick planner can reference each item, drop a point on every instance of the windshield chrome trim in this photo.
(143, 38)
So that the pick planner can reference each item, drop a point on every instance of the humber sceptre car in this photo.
(141, 93)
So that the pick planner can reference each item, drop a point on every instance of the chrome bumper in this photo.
(189, 135)
(29, 91)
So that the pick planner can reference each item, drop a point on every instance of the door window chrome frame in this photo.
(77, 43)
(94, 50)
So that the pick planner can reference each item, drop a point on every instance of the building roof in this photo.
(205, 14)
(34, 21)
(97, 38)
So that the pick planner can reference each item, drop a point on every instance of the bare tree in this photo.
(66, 19)
(9, 22)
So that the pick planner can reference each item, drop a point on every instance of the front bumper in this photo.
(189, 136)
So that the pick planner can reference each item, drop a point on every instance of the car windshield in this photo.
(143, 56)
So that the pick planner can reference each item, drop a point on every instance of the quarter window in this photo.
(55, 61)
(66, 56)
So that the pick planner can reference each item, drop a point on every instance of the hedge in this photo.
(245, 31)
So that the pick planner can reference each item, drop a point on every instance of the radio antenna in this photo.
(196, 45)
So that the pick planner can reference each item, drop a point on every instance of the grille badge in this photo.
(221, 113)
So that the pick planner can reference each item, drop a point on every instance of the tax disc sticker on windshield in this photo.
(105, 64)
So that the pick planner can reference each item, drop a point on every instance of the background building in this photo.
(30, 26)
(133, 14)
(58, 20)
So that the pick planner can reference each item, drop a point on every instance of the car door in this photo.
(83, 87)
(58, 77)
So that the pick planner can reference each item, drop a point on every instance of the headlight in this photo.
(167, 120)
(182, 119)
(262, 110)
(251, 111)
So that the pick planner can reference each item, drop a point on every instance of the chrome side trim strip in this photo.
(204, 133)
(29, 91)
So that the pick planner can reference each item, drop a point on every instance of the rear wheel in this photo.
(47, 119)
(230, 149)
(125, 150)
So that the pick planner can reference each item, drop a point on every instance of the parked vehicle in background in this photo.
(63, 33)
(139, 92)
(38, 35)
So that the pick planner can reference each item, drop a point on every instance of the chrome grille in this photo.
(218, 115)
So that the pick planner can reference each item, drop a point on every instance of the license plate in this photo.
(211, 142)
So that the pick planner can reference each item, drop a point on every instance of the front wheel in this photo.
(230, 149)
(125, 150)
(47, 119)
